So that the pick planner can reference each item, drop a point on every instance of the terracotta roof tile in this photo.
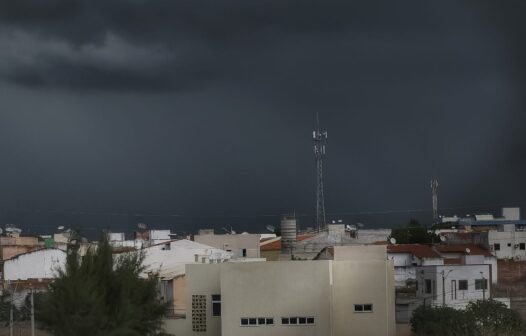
(461, 248)
(420, 251)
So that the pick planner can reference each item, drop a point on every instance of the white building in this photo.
(508, 242)
(39, 264)
(350, 295)
(406, 257)
(243, 245)
(453, 285)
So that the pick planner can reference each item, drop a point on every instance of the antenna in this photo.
(271, 228)
(320, 138)
(434, 188)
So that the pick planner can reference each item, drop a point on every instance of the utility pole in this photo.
(320, 138)
(11, 319)
(483, 286)
(32, 314)
(434, 188)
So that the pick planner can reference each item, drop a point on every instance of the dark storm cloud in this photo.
(185, 44)
(205, 108)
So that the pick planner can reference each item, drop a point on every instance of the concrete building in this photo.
(239, 245)
(351, 296)
(453, 285)
(508, 242)
(468, 254)
(406, 257)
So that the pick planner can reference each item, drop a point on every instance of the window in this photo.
(481, 284)
(363, 308)
(256, 321)
(509, 244)
(522, 246)
(303, 320)
(244, 252)
(462, 285)
(216, 305)
(496, 246)
(428, 286)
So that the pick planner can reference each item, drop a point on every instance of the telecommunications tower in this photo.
(434, 188)
(320, 138)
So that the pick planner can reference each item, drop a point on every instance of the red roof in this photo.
(461, 248)
(420, 251)
(276, 245)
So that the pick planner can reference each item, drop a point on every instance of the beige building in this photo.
(240, 245)
(353, 295)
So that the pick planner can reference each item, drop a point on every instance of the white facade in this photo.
(239, 245)
(290, 298)
(508, 244)
(405, 266)
(169, 255)
(40, 264)
(453, 285)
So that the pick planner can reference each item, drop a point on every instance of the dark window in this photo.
(293, 320)
(368, 307)
(252, 321)
(261, 320)
(244, 321)
(509, 244)
(310, 320)
(462, 285)
(244, 252)
(428, 286)
(496, 247)
(358, 308)
(216, 305)
(522, 246)
(269, 321)
(481, 284)
(302, 320)
(284, 320)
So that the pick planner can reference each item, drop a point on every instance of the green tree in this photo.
(101, 295)
(440, 321)
(493, 318)
(413, 233)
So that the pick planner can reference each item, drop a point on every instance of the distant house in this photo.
(406, 257)
(33, 270)
(453, 285)
(468, 254)
(242, 245)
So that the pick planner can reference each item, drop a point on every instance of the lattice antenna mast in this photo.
(434, 188)
(320, 138)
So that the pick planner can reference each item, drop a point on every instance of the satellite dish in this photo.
(61, 228)
(392, 240)
(443, 238)
(468, 250)
(271, 228)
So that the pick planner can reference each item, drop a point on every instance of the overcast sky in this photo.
(204, 109)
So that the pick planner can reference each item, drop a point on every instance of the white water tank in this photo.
(288, 232)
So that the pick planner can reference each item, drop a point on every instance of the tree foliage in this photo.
(481, 318)
(440, 321)
(101, 295)
(413, 233)
(493, 318)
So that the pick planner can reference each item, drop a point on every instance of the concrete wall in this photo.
(509, 244)
(41, 264)
(277, 289)
(363, 282)
(235, 243)
(360, 252)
